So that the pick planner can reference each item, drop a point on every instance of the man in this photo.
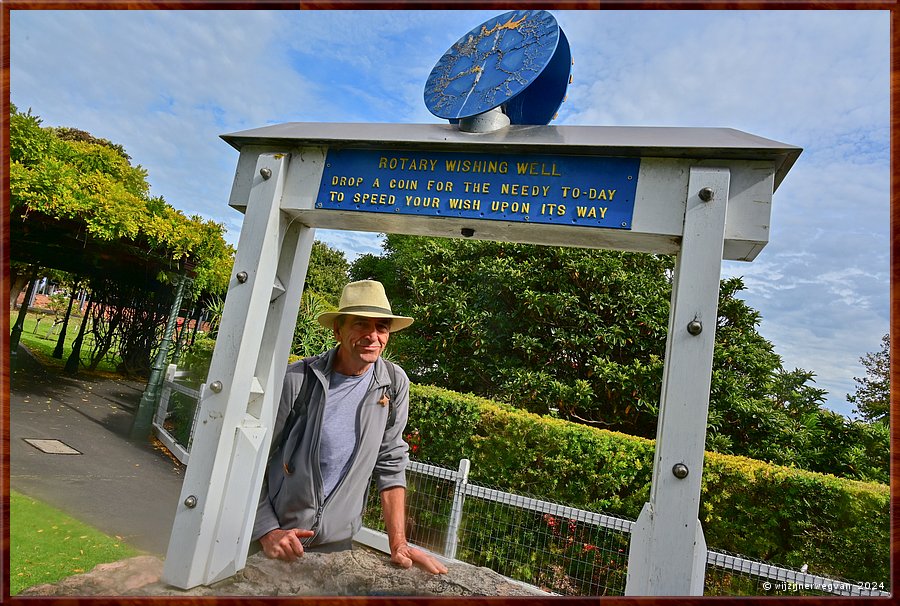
(350, 410)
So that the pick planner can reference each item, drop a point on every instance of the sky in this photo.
(167, 84)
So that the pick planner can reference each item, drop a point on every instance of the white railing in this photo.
(179, 451)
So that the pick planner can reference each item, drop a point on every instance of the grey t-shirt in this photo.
(339, 430)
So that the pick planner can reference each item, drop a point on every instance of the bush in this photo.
(785, 515)
(197, 358)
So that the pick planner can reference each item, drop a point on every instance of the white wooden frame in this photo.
(276, 184)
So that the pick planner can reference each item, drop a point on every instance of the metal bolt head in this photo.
(215, 386)
(695, 327)
(706, 194)
(190, 502)
(266, 173)
(680, 471)
(241, 276)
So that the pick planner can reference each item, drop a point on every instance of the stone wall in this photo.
(360, 572)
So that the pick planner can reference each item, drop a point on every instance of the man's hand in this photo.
(284, 544)
(405, 556)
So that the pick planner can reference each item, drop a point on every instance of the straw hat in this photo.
(365, 298)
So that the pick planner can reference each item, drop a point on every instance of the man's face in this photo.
(362, 339)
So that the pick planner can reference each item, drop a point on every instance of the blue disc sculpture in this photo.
(518, 61)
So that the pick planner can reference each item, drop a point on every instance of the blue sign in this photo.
(565, 190)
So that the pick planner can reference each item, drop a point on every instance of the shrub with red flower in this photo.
(414, 439)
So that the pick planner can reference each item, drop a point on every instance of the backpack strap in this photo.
(391, 392)
(298, 409)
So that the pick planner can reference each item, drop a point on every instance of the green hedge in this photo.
(782, 515)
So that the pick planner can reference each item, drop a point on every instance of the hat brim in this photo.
(397, 322)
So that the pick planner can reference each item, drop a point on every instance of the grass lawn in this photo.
(34, 337)
(46, 545)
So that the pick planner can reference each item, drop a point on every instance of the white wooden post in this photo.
(668, 552)
(214, 519)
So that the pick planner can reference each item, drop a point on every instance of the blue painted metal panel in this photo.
(556, 189)
(519, 60)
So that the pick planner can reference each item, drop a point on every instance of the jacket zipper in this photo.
(317, 473)
(318, 468)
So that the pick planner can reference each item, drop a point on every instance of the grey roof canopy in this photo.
(667, 154)
(642, 141)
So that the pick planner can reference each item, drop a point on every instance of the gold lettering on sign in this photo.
(404, 184)
(553, 209)
(401, 163)
(585, 212)
(477, 188)
(520, 189)
(601, 194)
(423, 202)
(460, 204)
(440, 185)
(346, 181)
(537, 169)
(502, 206)
(359, 198)
(477, 166)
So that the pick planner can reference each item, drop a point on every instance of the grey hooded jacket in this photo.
(295, 500)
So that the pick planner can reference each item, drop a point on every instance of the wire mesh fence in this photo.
(176, 413)
(553, 551)
(557, 548)
(729, 574)
(561, 549)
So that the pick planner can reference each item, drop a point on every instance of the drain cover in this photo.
(52, 446)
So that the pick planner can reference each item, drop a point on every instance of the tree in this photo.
(77, 204)
(327, 272)
(873, 392)
(73, 192)
(325, 279)
(310, 337)
(580, 334)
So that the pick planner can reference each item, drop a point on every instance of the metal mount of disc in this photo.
(486, 122)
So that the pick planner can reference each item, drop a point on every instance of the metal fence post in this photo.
(162, 409)
(459, 498)
(142, 424)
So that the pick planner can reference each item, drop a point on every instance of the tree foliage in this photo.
(873, 392)
(580, 334)
(310, 337)
(327, 272)
(64, 174)
(325, 279)
(78, 204)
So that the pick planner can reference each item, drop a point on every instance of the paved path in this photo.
(124, 488)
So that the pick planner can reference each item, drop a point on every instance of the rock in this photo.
(360, 572)
(114, 578)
